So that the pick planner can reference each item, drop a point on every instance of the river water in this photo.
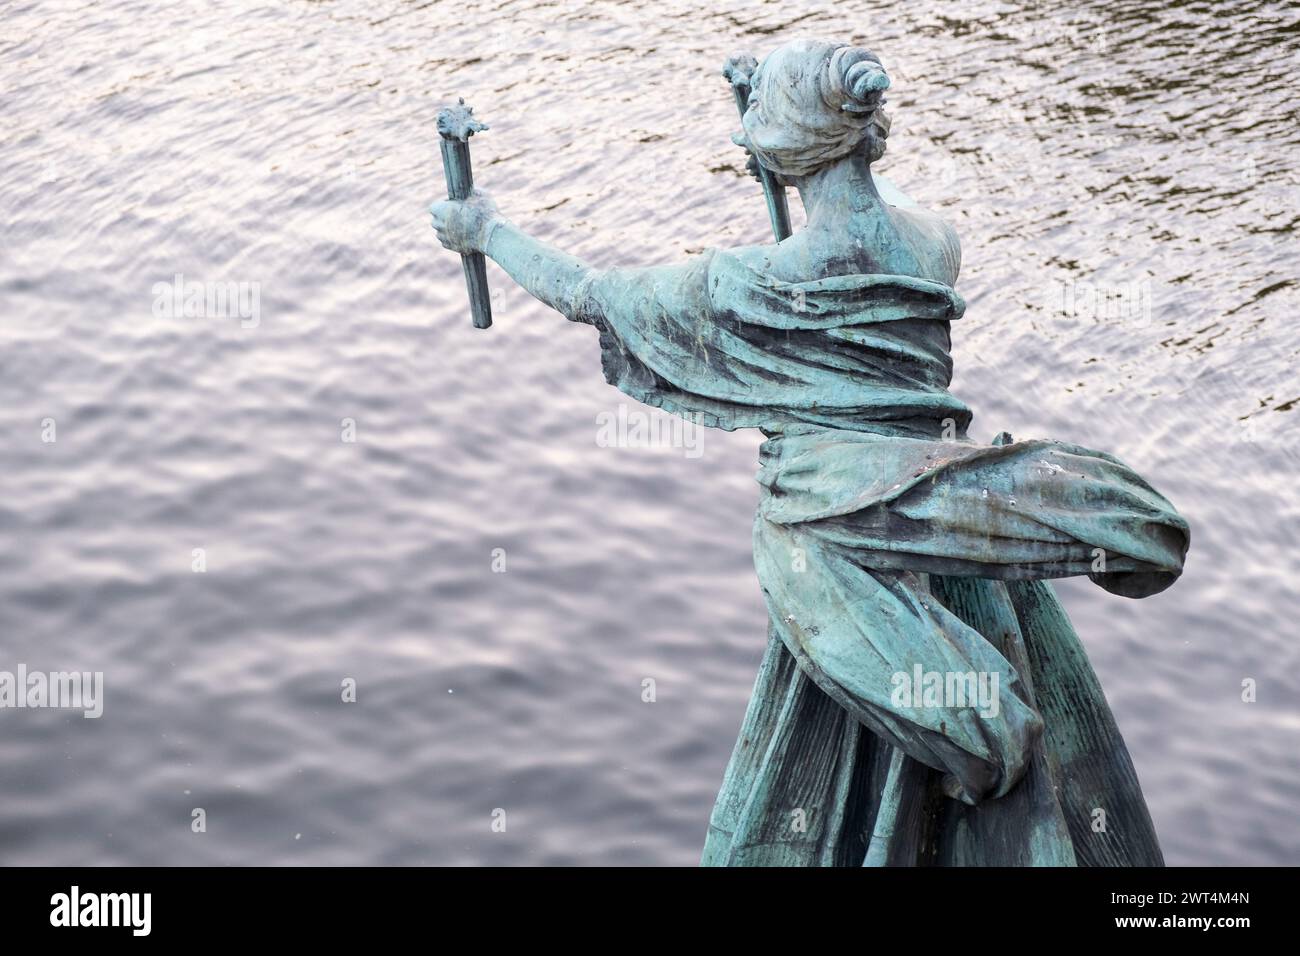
(498, 581)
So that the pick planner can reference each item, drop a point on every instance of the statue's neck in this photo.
(837, 192)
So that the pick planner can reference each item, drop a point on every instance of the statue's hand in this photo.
(751, 164)
(464, 227)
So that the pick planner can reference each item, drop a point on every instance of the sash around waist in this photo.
(1028, 509)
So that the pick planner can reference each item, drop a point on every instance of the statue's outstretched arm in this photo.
(554, 277)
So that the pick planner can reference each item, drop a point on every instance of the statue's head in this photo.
(812, 103)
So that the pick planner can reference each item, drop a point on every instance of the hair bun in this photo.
(861, 77)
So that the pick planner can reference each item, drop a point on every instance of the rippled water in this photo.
(1122, 148)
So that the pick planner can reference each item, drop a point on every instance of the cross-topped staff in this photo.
(456, 124)
(739, 71)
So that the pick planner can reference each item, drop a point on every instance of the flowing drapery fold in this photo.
(881, 543)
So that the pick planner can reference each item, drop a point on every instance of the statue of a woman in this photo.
(924, 699)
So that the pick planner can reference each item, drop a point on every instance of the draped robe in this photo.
(889, 544)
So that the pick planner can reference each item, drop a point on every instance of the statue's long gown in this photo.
(887, 540)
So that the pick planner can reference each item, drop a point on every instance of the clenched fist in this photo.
(464, 226)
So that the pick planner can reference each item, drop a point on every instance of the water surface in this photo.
(1120, 148)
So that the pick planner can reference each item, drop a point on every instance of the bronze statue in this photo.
(924, 699)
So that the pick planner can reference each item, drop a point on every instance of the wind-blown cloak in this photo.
(890, 547)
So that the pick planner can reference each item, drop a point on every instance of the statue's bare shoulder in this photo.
(898, 240)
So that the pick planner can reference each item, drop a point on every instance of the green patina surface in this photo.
(887, 541)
